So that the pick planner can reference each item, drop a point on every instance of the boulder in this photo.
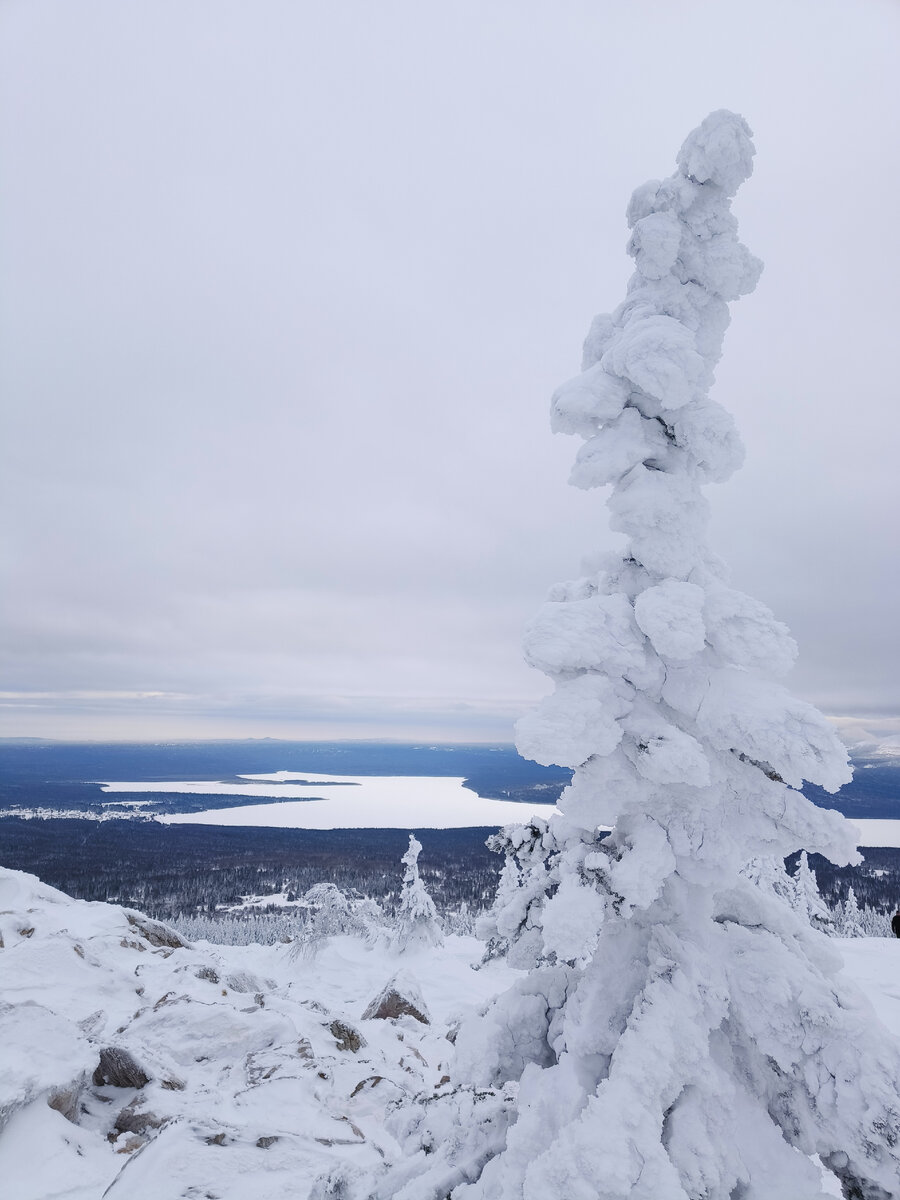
(134, 1120)
(118, 1069)
(346, 1036)
(154, 932)
(400, 997)
(65, 1100)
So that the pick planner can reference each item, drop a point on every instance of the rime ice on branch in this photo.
(681, 1033)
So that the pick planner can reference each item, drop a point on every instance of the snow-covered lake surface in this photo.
(345, 802)
(313, 801)
(878, 833)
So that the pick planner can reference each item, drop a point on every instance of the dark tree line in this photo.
(172, 870)
(875, 882)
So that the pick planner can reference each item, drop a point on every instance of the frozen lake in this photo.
(310, 801)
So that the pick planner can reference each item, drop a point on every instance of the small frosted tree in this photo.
(332, 913)
(850, 920)
(681, 1034)
(807, 897)
(418, 923)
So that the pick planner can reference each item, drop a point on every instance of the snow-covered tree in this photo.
(330, 913)
(770, 874)
(849, 919)
(681, 1034)
(807, 897)
(418, 923)
(487, 926)
(459, 922)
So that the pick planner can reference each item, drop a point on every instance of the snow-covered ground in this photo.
(255, 1085)
(248, 1079)
(874, 966)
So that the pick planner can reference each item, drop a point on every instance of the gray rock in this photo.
(65, 1100)
(153, 932)
(346, 1036)
(400, 997)
(118, 1069)
(132, 1120)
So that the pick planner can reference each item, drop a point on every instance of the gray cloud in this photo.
(287, 289)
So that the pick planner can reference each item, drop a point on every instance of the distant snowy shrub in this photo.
(319, 915)
(330, 913)
(459, 922)
(263, 929)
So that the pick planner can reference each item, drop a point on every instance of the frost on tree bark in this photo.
(680, 1033)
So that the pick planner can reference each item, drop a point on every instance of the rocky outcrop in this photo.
(117, 1068)
(135, 1119)
(154, 932)
(400, 997)
(346, 1036)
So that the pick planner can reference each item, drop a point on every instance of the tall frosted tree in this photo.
(681, 1034)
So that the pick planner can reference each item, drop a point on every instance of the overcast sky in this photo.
(286, 287)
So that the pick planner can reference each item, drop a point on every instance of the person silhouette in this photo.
(895, 923)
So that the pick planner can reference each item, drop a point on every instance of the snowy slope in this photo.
(256, 1087)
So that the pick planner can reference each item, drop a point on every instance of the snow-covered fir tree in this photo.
(850, 920)
(807, 897)
(681, 1035)
(418, 923)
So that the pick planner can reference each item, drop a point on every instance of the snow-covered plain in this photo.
(254, 1090)
(344, 802)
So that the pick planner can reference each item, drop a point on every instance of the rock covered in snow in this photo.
(117, 1068)
(401, 996)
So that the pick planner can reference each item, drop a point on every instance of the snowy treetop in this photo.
(663, 672)
(641, 398)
